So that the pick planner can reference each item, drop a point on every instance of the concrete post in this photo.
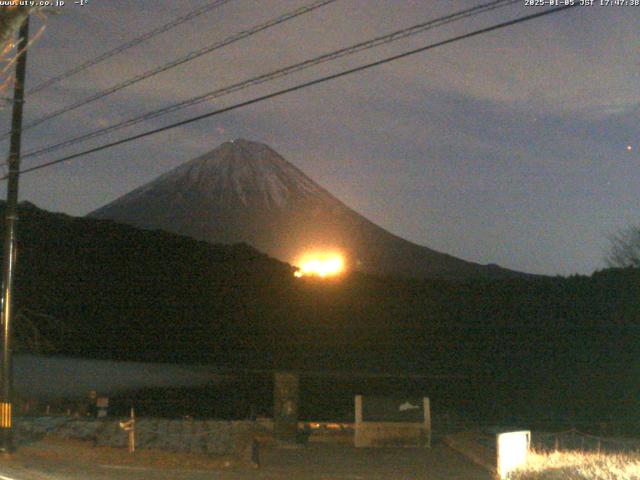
(358, 409)
(285, 414)
(426, 405)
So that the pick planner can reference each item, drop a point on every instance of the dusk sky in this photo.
(519, 147)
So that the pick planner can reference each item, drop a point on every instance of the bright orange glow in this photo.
(320, 265)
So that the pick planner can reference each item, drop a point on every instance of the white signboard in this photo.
(513, 449)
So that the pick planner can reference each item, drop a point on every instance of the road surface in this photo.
(316, 461)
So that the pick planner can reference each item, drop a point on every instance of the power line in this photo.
(126, 46)
(184, 59)
(282, 72)
(299, 87)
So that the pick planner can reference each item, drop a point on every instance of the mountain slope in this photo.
(120, 293)
(246, 192)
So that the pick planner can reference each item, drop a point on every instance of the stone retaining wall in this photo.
(196, 436)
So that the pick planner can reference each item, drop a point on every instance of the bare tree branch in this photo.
(10, 20)
(625, 249)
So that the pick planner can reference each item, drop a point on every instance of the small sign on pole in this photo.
(129, 426)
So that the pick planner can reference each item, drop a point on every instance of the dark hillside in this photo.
(560, 346)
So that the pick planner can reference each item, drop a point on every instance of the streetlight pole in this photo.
(10, 240)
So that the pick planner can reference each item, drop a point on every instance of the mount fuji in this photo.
(244, 191)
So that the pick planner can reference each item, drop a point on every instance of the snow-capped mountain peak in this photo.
(244, 191)
(239, 170)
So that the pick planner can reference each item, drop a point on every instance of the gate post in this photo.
(285, 399)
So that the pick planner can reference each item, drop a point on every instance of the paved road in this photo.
(314, 462)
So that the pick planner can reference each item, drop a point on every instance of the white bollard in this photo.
(513, 449)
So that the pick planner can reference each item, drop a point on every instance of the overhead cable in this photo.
(279, 73)
(173, 64)
(299, 87)
(127, 45)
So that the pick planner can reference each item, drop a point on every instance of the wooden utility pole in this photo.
(10, 252)
(132, 432)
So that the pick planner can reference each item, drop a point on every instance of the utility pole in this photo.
(9, 252)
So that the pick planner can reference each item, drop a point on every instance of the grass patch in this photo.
(580, 465)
